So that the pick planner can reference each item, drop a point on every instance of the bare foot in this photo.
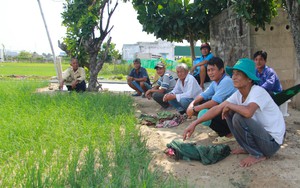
(239, 151)
(251, 160)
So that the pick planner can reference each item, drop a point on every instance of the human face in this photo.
(182, 73)
(214, 73)
(260, 63)
(240, 80)
(160, 71)
(74, 65)
(136, 65)
(204, 51)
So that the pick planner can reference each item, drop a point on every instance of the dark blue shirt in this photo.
(269, 80)
(140, 74)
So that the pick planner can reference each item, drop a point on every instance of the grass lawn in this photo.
(71, 140)
(44, 71)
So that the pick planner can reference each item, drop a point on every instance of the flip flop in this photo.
(223, 139)
(135, 95)
(213, 134)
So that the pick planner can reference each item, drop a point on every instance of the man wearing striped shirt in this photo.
(165, 84)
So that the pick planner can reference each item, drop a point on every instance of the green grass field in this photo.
(29, 69)
(44, 71)
(72, 140)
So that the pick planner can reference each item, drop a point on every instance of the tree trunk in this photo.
(192, 47)
(93, 73)
(293, 10)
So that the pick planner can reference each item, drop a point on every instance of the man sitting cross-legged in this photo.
(219, 90)
(185, 90)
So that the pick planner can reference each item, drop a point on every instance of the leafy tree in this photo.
(178, 20)
(87, 23)
(24, 55)
(113, 53)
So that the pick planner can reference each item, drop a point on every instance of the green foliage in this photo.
(178, 20)
(186, 60)
(71, 140)
(24, 55)
(113, 53)
(257, 13)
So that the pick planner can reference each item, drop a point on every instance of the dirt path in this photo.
(281, 170)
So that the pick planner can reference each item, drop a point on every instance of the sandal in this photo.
(213, 134)
(223, 139)
(135, 95)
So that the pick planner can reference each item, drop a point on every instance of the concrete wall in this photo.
(231, 39)
(277, 41)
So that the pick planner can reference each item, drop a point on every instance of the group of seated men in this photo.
(237, 106)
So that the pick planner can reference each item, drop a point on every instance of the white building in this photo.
(148, 50)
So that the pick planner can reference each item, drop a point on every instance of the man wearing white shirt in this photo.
(185, 90)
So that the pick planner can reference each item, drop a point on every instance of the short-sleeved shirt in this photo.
(269, 80)
(142, 73)
(167, 81)
(268, 113)
(70, 75)
(200, 59)
(190, 89)
(219, 91)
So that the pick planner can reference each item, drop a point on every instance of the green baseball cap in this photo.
(247, 66)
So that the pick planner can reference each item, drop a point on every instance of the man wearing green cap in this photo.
(251, 114)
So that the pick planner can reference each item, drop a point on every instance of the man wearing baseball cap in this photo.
(251, 114)
(165, 84)
(199, 64)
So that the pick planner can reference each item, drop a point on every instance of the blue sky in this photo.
(22, 27)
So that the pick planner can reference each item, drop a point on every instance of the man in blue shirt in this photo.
(138, 78)
(199, 64)
(219, 90)
(268, 77)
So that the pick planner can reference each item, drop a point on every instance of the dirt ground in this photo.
(281, 170)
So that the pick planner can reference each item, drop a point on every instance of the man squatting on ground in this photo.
(165, 84)
(74, 77)
(251, 114)
(185, 90)
(219, 90)
(138, 78)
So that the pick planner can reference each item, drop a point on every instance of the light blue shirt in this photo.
(190, 89)
(200, 59)
(219, 92)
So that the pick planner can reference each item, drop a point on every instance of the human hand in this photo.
(225, 111)
(74, 84)
(129, 78)
(148, 94)
(165, 98)
(189, 131)
(190, 111)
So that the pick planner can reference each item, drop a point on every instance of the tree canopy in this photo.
(88, 24)
(178, 20)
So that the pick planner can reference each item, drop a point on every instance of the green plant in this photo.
(72, 140)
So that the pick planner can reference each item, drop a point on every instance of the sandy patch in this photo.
(281, 170)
